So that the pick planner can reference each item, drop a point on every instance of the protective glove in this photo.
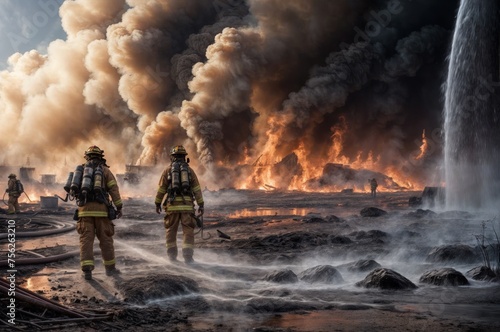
(158, 208)
(200, 210)
(119, 214)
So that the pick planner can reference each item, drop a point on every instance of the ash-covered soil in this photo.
(279, 261)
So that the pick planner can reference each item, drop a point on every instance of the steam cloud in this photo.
(233, 81)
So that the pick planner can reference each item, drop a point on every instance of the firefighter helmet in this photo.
(94, 151)
(178, 150)
(12, 175)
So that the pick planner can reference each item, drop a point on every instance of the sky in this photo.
(28, 25)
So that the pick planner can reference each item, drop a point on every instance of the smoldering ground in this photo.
(234, 81)
(261, 277)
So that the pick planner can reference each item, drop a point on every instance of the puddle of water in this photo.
(260, 212)
(40, 281)
(311, 321)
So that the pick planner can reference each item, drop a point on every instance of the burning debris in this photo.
(134, 174)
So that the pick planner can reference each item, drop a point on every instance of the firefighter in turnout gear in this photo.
(180, 185)
(373, 187)
(14, 189)
(92, 185)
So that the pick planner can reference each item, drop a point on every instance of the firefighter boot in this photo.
(111, 270)
(187, 253)
(172, 254)
(87, 273)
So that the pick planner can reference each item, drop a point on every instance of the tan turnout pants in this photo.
(172, 221)
(13, 204)
(89, 228)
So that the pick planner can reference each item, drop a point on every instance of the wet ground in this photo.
(230, 289)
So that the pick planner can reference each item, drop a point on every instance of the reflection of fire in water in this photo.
(270, 212)
(37, 282)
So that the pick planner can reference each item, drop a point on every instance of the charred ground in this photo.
(291, 264)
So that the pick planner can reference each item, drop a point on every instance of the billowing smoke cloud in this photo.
(236, 82)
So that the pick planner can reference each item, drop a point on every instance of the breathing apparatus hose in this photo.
(199, 223)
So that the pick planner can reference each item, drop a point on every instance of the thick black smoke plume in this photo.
(235, 82)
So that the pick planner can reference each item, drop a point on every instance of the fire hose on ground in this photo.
(42, 260)
(64, 227)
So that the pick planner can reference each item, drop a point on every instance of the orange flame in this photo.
(310, 166)
(424, 147)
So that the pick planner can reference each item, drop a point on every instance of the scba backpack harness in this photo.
(19, 187)
(86, 184)
(179, 179)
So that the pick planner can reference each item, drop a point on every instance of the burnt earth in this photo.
(226, 290)
(157, 286)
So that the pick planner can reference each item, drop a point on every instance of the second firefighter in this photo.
(93, 183)
(180, 183)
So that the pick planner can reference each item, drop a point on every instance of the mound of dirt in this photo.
(386, 279)
(372, 212)
(327, 219)
(157, 286)
(294, 240)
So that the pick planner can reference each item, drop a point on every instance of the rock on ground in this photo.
(283, 277)
(444, 277)
(386, 279)
(321, 274)
(481, 273)
(458, 253)
(372, 212)
(157, 286)
(363, 265)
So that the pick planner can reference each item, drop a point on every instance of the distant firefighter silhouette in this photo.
(14, 189)
(373, 187)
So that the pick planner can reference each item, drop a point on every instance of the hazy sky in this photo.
(28, 25)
